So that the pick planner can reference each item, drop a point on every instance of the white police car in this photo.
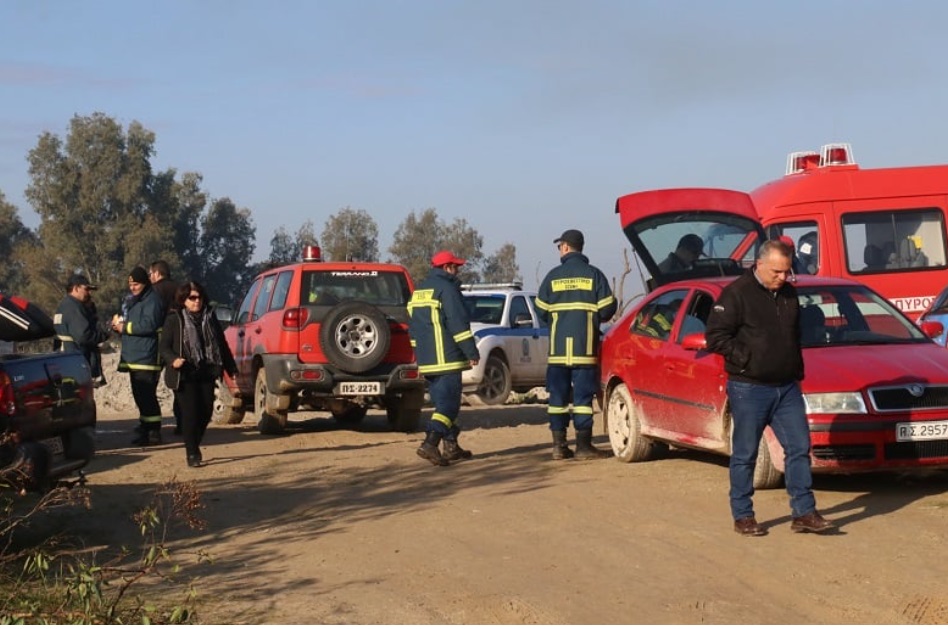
(512, 342)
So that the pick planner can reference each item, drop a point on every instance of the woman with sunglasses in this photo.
(195, 354)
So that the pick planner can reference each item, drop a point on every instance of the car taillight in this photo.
(295, 318)
(7, 402)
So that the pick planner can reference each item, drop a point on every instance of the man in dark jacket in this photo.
(574, 299)
(755, 326)
(444, 346)
(159, 273)
(76, 324)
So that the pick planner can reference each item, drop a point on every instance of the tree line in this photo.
(103, 210)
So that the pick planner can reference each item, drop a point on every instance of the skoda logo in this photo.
(916, 390)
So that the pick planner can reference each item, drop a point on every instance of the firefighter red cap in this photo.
(787, 240)
(446, 257)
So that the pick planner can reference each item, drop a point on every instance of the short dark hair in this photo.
(161, 268)
(185, 288)
(775, 245)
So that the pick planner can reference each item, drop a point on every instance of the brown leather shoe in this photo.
(812, 522)
(748, 527)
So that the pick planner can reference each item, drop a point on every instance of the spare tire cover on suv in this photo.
(355, 336)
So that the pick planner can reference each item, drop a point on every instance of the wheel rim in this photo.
(356, 336)
(620, 422)
(494, 382)
(260, 397)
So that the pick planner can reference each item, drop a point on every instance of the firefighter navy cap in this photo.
(79, 280)
(572, 237)
(446, 257)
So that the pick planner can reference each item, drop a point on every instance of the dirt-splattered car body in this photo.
(876, 385)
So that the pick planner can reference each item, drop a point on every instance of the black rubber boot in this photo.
(429, 450)
(154, 433)
(454, 452)
(585, 450)
(141, 435)
(561, 451)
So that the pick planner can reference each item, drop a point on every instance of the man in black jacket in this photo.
(159, 274)
(755, 326)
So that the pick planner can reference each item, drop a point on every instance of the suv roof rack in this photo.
(494, 286)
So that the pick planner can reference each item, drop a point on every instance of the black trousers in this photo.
(195, 398)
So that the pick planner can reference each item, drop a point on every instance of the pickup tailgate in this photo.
(45, 395)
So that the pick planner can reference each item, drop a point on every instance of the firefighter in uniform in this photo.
(76, 325)
(140, 330)
(444, 347)
(573, 299)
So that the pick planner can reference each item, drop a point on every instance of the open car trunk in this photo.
(688, 233)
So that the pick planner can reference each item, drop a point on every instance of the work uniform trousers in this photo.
(195, 397)
(445, 392)
(583, 383)
(145, 393)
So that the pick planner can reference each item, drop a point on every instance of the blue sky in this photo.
(525, 117)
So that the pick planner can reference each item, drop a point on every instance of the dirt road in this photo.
(328, 525)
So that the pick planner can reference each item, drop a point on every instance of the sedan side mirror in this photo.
(694, 342)
(932, 329)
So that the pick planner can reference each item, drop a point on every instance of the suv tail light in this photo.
(295, 318)
(7, 402)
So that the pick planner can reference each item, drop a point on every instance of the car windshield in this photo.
(484, 308)
(852, 315)
(380, 288)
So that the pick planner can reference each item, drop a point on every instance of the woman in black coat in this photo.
(195, 355)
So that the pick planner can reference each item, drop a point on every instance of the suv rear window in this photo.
(380, 288)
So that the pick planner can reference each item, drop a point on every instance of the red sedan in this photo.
(876, 385)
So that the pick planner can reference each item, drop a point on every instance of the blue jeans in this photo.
(583, 382)
(445, 392)
(753, 408)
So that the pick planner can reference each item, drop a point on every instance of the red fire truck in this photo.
(884, 227)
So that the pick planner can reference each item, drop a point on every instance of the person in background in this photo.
(159, 273)
(573, 300)
(140, 329)
(444, 346)
(755, 326)
(77, 325)
(195, 355)
(690, 247)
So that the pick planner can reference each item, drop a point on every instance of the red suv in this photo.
(327, 336)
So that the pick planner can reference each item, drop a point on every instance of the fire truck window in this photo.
(243, 312)
(281, 291)
(805, 237)
(894, 240)
(260, 306)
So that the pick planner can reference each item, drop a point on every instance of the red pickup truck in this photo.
(47, 409)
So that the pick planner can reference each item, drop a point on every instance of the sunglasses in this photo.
(193, 297)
